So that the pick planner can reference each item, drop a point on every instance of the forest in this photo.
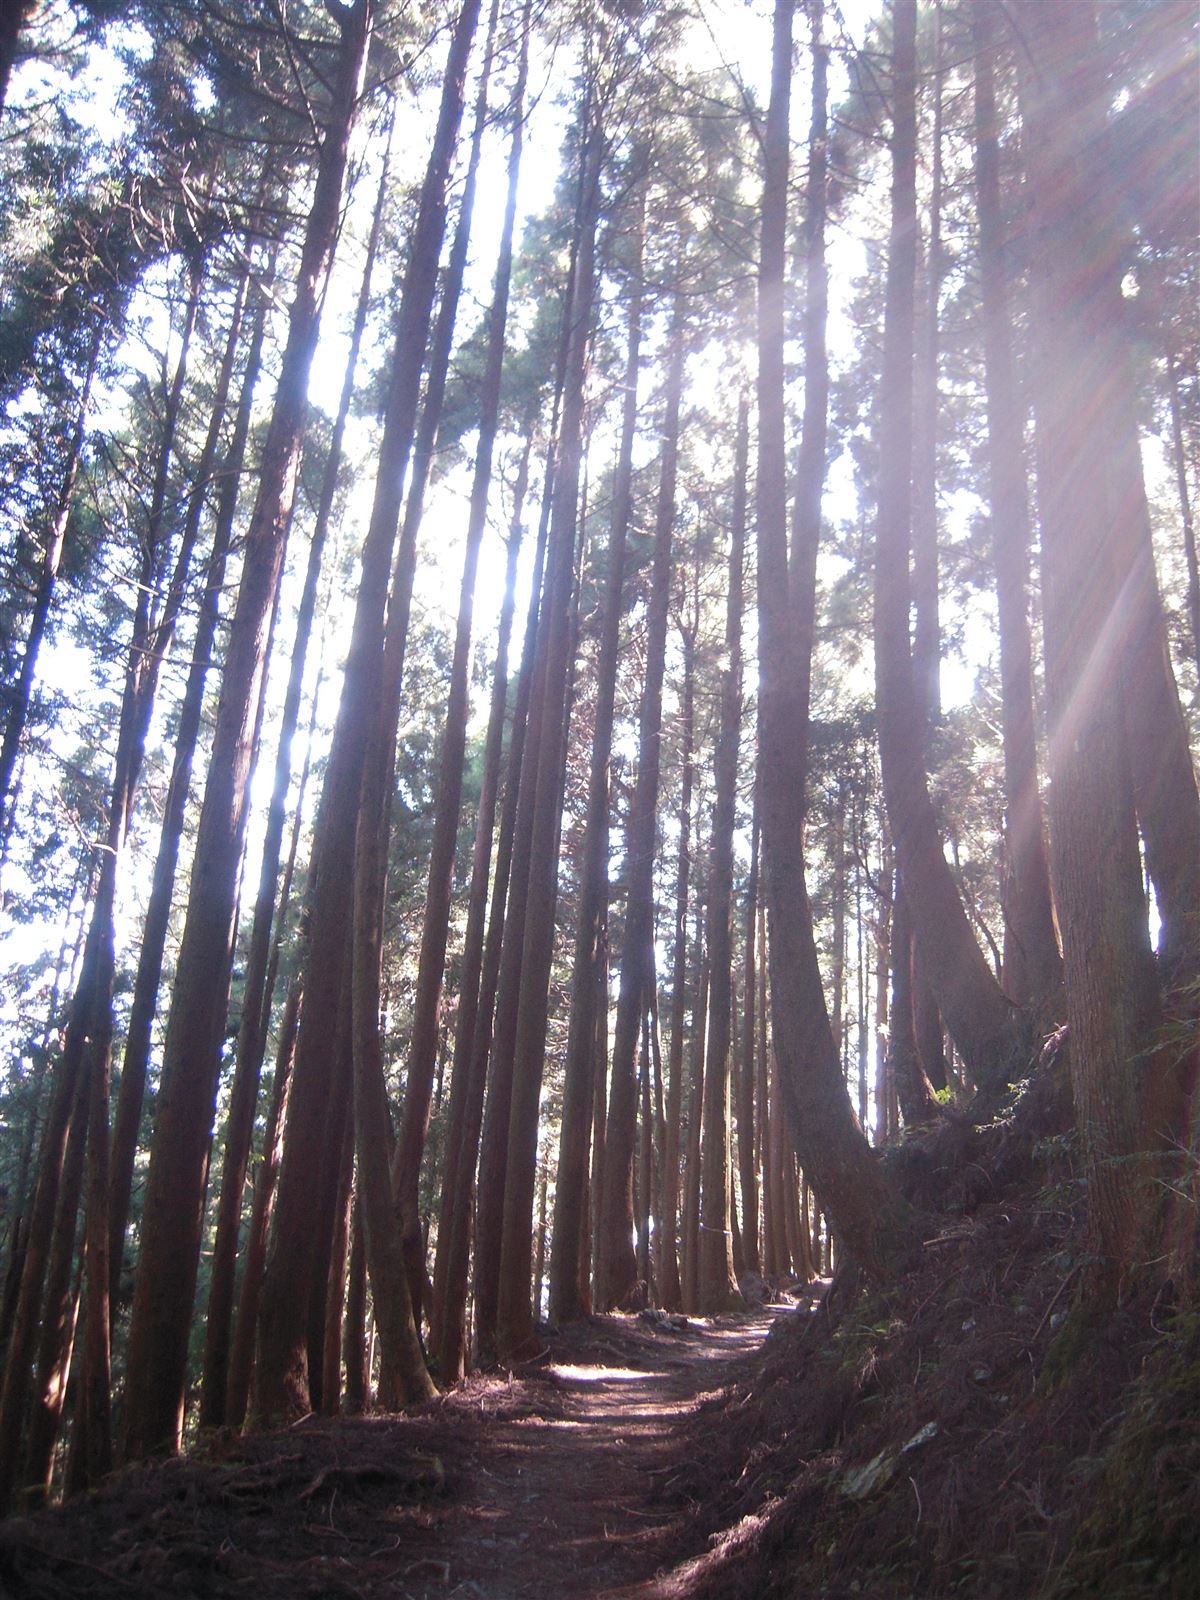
(599, 675)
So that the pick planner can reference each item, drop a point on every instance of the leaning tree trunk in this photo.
(136, 1057)
(251, 1041)
(176, 1181)
(981, 1020)
(422, 1051)
(18, 696)
(281, 1372)
(832, 1149)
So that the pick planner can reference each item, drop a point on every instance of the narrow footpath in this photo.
(543, 1484)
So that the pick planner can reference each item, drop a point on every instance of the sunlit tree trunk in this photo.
(176, 1181)
(514, 1323)
(616, 1275)
(831, 1146)
(570, 1195)
(1032, 967)
(717, 1288)
(435, 928)
(1110, 984)
(981, 1020)
(291, 1279)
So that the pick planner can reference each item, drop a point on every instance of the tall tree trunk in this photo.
(252, 1032)
(830, 1144)
(254, 1254)
(469, 1070)
(178, 1172)
(616, 1275)
(717, 1288)
(93, 995)
(571, 1185)
(143, 1007)
(1032, 966)
(282, 1373)
(981, 1020)
(747, 1171)
(422, 1049)
(514, 1323)
(1111, 990)
(690, 1269)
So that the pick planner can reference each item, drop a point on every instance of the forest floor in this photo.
(551, 1481)
(976, 1431)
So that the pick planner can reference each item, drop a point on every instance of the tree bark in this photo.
(616, 1275)
(178, 1172)
(514, 1323)
(981, 1020)
(1111, 990)
(1032, 965)
(571, 1185)
(422, 1051)
(717, 1288)
(850, 1184)
(282, 1373)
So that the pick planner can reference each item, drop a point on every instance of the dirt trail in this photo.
(539, 1485)
(564, 1499)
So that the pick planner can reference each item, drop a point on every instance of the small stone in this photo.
(969, 1325)
(982, 1374)
(1057, 1320)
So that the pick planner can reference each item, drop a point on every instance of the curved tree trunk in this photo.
(981, 1020)
(850, 1184)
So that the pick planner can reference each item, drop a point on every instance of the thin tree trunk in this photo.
(176, 1180)
(18, 696)
(93, 994)
(570, 1194)
(254, 1254)
(1032, 965)
(514, 1324)
(746, 1097)
(690, 1272)
(717, 1288)
(354, 1326)
(469, 1070)
(422, 1050)
(143, 1006)
(617, 1266)
(823, 1127)
(981, 1020)
(670, 1286)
